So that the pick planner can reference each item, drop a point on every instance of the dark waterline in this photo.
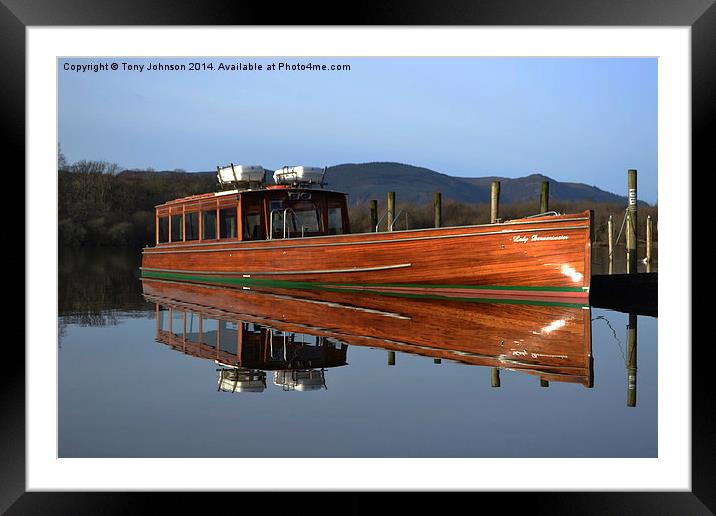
(122, 393)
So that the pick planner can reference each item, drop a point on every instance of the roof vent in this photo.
(299, 176)
(244, 176)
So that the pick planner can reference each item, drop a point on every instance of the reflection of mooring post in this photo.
(391, 357)
(631, 223)
(391, 210)
(495, 202)
(610, 243)
(631, 361)
(495, 377)
(544, 197)
(438, 208)
(373, 215)
(543, 382)
(649, 237)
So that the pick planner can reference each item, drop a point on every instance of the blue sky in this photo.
(583, 120)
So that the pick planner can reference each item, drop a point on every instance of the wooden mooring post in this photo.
(373, 215)
(391, 210)
(649, 236)
(391, 358)
(495, 203)
(632, 222)
(544, 197)
(543, 382)
(437, 360)
(438, 209)
(610, 243)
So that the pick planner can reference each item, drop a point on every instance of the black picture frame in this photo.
(700, 15)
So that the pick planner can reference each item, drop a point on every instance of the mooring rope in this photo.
(619, 342)
(626, 212)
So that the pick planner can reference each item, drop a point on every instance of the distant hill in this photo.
(365, 181)
(527, 188)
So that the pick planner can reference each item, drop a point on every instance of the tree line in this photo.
(99, 204)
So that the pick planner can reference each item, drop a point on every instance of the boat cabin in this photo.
(251, 210)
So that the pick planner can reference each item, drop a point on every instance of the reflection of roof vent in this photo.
(241, 380)
(300, 379)
(299, 176)
(233, 176)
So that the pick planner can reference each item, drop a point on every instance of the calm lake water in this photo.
(214, 373)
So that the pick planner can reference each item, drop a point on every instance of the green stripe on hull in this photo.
(341, 287)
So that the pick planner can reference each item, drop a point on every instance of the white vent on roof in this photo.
(240, 174)
(299, 175)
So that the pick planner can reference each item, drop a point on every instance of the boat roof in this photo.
(272, 188)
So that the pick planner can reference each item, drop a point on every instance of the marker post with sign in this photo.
(631, 223)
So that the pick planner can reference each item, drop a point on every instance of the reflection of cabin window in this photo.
(335, 221)
(227, 221)
(177, 322)
(163, 229)
(208, 219)
(306, 218)
(177, 228)
(192, 226)
(210, 332)
(192, 326)
(163, 318)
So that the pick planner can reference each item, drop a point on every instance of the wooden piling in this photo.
(610, 242)
(544, 197)
(631, 361)
(437, 360)
(630, 256)
(543, 382)
(391, 210)
(391, 358)
(438, 209)
(495, 203)
(495, 377)
(373, 215)
(632, 222)
(648, 242)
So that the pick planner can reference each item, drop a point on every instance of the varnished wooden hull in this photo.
(549, 340)
(546, 256)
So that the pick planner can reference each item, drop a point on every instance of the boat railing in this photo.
(283, 215)
(391, 224)
(542, 214)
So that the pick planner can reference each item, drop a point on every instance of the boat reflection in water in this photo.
(296, 335)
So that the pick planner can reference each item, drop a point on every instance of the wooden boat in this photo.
(296, 234)
(551, 340)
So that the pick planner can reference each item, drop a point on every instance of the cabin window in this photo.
(306, 218)
(227, 221)
(163, 230)
(252, 229)
(192, 225)
(335, 220)
(208, 220)
(177, 233)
